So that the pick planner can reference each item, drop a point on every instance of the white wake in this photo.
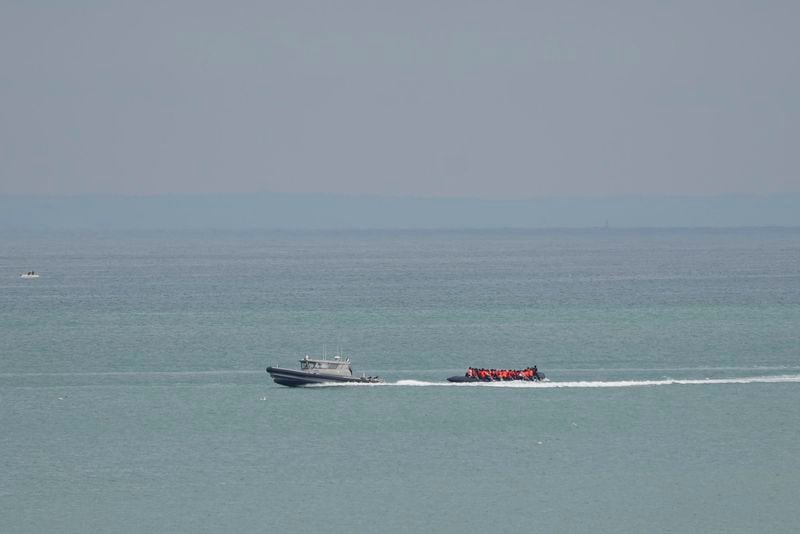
(548, 384)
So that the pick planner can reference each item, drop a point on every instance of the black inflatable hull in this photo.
(463, 379)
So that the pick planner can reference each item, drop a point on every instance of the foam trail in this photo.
(549, 384)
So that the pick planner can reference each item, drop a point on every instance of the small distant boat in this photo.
(322, 371)
(29, 274)
(475, 374)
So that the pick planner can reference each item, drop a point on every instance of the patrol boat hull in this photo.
(294, 378)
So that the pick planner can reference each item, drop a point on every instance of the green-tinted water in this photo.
(133, 396)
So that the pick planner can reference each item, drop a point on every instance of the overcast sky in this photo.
(492, 99)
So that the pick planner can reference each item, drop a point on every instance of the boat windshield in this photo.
(310, 364)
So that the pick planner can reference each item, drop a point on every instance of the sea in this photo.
(134, 397)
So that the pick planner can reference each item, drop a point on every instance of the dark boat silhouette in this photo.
(320, 371)
(531, 374)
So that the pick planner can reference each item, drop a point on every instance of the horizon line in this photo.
(409, 196)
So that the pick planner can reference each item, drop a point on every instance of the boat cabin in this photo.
(337, 366)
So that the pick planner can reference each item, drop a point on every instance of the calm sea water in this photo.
(133, 396)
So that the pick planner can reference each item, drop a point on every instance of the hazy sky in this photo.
(492, 99)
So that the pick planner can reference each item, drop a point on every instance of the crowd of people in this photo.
(529, 373)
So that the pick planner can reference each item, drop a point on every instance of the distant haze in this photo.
(289, 211)
(491, 100)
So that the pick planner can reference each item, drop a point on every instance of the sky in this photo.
(489, 100)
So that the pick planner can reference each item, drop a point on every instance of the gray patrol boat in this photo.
(323, 371)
